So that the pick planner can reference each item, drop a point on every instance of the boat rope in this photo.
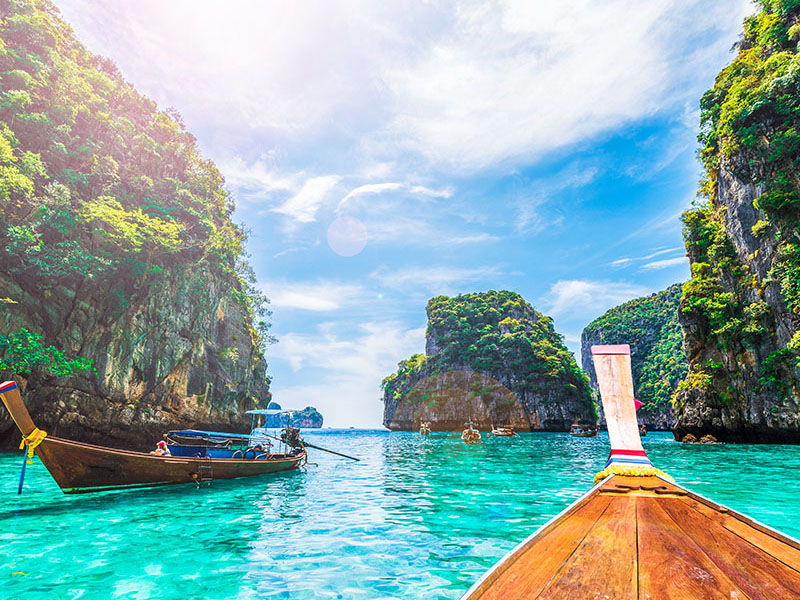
(33, 439)
(631, 471)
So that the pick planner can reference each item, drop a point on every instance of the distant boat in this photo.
(642, 430)
(578, 431)
(470, 435)
(425, 428)
(503, 431)
(80, 468)
(636, 534)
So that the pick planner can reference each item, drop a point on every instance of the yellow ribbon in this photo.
(33, 439)
(631, 471)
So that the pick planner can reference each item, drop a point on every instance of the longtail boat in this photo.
(638, 535)
(578, 431)
(503, 431)
(79, 468)
(470, 435)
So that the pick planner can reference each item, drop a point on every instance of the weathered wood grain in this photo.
(671, 565)
(588, 574)
(529, 572)
(765, 578)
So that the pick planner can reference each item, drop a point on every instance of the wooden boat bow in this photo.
(636, 535)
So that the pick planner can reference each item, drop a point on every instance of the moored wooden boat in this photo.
(425, 428)
(470, 435)
(578, 431)
(503, 431)
(79, 468)
(638, 535)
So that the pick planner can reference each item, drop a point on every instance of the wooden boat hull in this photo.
(79, 468)
(584, 434)
(635, 538)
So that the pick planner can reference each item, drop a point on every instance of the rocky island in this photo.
(650, 325)
(308, 418)
(116, 245)
(489, 357)
(740, 309)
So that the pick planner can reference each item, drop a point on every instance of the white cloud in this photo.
(319, 296)
(588, 299)
(664, 251)
(302, 207)
(350, 369)
(433, 193)
(257, 178)
(514, 79)
(379, 188)
(621, 262)
(370, 188)
(663, 264)
(469, 85)
(435, 280)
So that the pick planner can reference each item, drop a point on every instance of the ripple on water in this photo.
(419, 517)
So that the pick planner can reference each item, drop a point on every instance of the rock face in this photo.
(650, 325)
(116, 244)
(308, 418)
(491, 358)
(740, 309)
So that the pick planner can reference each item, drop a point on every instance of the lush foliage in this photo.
(650, 325)
(23, 351)
(750, 126)
(97, 183)
(497, 334)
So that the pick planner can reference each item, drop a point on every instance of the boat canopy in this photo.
(268, 411)
(197, 433)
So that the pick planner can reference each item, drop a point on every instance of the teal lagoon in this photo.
(419, 517)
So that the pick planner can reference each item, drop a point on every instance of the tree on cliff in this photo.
(116, 239)
(499, 335)
(650, 325)
(739, 309)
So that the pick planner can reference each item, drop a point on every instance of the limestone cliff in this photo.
(740, 309)
(308, 418)
(650, 326)
(492, 358)
(116, 244)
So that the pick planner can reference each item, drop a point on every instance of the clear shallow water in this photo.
(419, 517)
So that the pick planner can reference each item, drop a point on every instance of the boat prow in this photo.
(79, 468)
(637, 535)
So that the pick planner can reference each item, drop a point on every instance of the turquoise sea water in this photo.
(419, 517)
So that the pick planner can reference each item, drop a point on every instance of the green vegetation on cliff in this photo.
(495, 333)
(739, 309)
(97, 185)
(750, 126)
(650, 326)
(23, 351)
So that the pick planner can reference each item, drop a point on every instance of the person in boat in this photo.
(162, 449)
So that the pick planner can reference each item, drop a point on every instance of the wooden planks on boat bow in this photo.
(643, 537)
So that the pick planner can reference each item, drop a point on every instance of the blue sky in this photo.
(382, 153)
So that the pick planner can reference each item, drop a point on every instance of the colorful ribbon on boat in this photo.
(33, 439)
(631, 471)
(630, 463)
